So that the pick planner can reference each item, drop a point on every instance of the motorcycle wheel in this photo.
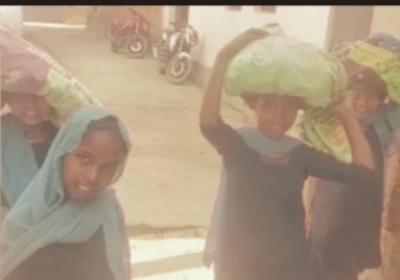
(137, 46)
(117, 42)
(178, 69)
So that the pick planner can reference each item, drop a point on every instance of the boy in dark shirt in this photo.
(263, 236)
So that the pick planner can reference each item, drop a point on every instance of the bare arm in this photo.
(210, 107)
(360, 148)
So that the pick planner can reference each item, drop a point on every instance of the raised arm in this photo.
(210, 107)
(325, 166)
(360, 148)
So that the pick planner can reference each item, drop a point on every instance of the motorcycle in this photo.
(163, 41)
(173, 52)
(131, 35)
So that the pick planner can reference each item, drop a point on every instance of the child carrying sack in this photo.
(373, 62)
(26, 69)
(282, 65)
(275, 65)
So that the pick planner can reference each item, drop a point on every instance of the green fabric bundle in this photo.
(382, 61)
(323, 130)
(370, 64)
(66, 94)
(26, 69)
(283, 65)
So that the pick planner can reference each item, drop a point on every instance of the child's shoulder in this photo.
(258, 141)
(7, 118)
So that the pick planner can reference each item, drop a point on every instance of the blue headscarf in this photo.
(18, 164)
(388, 41)
(41, 216)
(266, 146)
(385, 121)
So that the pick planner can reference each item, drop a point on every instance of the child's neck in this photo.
(270, 136)
(35, 133)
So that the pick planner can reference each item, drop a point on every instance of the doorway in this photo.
(349, 24)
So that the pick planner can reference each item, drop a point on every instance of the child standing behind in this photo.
(263, 234)
(346, 222)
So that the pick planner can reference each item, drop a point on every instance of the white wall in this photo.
(11, 17)
(386, 19)
(217, 25)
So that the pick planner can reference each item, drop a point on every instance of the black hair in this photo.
(251, 101)
(109, 123)
(106, 123)
(376, 85)
(368, 79)
(4, 96)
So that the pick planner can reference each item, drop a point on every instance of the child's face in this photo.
(93, 165)
(366, 101)
(29, 109)
(276, 114)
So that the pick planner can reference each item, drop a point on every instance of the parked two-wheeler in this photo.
(131, 35)
(173, 52)
(163, 42)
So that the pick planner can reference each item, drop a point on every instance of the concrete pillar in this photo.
(11, 17)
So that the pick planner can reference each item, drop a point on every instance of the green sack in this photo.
(282, 65)
(27, 69)
(66, 94)
(324, 131)
(383, 62)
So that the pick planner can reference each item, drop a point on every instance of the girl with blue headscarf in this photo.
(68, 223)
(26, 136)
